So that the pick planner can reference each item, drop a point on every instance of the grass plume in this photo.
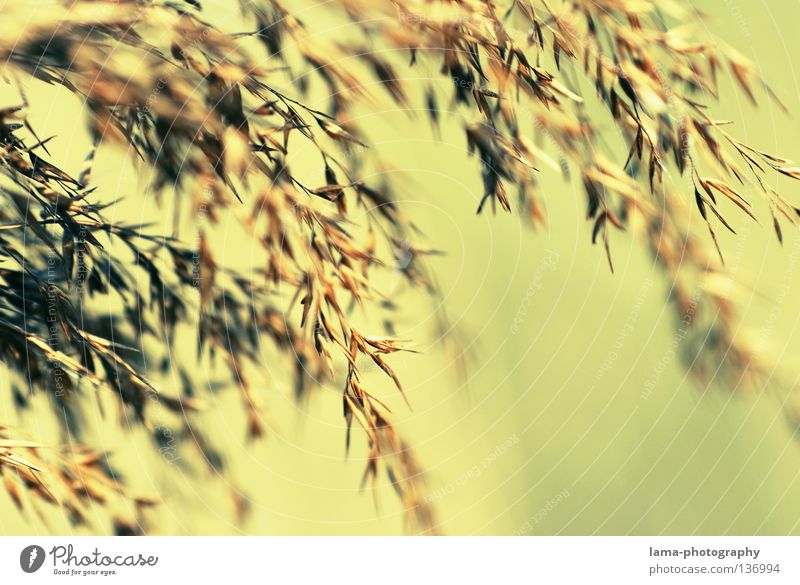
(209, 113)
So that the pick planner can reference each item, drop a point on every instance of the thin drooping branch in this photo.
(209, 113)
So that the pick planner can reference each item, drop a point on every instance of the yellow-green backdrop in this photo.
(576, 417)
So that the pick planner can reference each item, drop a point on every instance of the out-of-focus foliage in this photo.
(208, 111)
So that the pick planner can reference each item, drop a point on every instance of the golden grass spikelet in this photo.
(208, 111)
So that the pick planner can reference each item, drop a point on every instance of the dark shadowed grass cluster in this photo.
(215, 115)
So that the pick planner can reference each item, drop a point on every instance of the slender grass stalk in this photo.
(209, 112)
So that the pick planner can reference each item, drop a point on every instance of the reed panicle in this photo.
(208, 111)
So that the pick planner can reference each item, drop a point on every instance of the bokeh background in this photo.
(576, 414)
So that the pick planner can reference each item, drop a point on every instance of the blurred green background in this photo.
(576, 418)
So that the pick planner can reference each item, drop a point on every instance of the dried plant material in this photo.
(71, 477)
(205, 110)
